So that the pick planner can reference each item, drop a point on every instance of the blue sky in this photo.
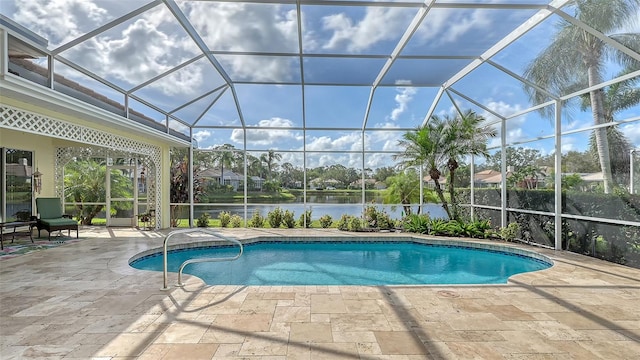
(358, 39)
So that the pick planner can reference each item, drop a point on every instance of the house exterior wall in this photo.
(44, 148)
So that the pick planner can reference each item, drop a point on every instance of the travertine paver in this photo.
(83, 301)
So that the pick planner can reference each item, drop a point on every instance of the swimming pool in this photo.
(348, 263)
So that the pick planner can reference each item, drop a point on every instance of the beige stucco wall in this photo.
(44, 149)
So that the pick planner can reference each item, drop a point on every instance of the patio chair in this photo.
(52, 218)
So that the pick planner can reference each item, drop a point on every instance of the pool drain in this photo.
(448, 294)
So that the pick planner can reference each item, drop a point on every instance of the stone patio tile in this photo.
(473, 350)
(265, 344)
(190, 351)
(327, 304)
(581, 321)
(227, 351)
(279, 295)
(478, 321)
(292, 314)
(215, 335)
(509, 312)
(258, 307)
(332, 351)
(354, 336)
(400, 343)
(359, 322)
(306, 332)
(182, 333)
(243, 322)
(363, 306)
(613, 349)
(127, 345)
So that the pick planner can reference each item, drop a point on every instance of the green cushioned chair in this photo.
(52, 218)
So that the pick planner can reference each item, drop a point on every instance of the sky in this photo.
(258, 47)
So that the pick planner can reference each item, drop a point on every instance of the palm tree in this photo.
(223, 156)
(403, 188)
(426, 146)
(617, 97)
(576, 60)
(442, 142)
(269, 159)
(84, 182)
(465, 135)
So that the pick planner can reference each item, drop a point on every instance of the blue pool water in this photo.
(347, 263)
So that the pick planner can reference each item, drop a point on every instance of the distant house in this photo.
(589, 180)
(368, 183)
(231, 178)
(379, 185)
(487, 178)
(429, 183)
(493, 178)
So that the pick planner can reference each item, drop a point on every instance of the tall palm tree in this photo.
(425, 146)
(442, 142)
(223, 156)
(269, 159)
(576, 59)
(465, 135)
(617, 97)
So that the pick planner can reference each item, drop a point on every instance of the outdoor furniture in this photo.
(148, 220)
(15, 225)
(52, 218)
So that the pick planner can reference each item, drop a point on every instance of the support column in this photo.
(558, 175)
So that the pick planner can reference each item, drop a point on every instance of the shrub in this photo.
(355, 224)
(326, 221)
(510, 232)
(385, 221)
(305, 219)
(275, 217)
(417, 223)
(343, 223)
(225, 218)
(257, 220)
(378, 218)
(203, 220)
(236, 221)
(288, 219)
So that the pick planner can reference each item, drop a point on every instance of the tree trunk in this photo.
(452, 164)
(602, 142)
(435, 176)
(222, 174)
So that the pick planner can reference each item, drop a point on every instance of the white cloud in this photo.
(248, 27)
(59, 20)
(202, 135)
(632, 132)
(178, 126)
(351, 141)
(257, 135)
(501, 108)
(402, 99)
(379, 24)
(448, 25)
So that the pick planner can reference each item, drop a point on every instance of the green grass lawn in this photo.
(213, 223)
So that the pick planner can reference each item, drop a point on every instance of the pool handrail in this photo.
(191, 261)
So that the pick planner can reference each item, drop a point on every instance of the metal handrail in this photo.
(191, 261)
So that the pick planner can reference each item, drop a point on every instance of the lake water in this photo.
(317, 210)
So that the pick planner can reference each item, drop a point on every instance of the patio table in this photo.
(15, 225)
